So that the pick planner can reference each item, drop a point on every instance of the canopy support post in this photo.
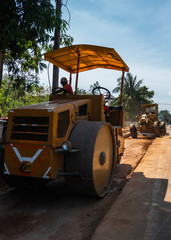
(122, 84)
(78, 62)
(70, 78)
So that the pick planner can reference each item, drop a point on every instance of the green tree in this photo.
(22, 91)
(26, 28)
(81, 91)
(166, 116)
(133, 95)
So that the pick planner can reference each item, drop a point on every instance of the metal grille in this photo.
(63, 123)
(83, 110)
(30, 128)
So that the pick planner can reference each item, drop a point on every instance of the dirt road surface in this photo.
(52, 213)
(143, 209)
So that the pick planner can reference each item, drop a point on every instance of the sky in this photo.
(138, 30)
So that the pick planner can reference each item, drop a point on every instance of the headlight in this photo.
(66, 145)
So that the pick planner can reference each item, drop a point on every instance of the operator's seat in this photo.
(115, 116)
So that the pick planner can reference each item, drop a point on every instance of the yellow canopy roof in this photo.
(90, 57)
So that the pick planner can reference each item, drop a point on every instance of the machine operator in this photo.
(66, 87)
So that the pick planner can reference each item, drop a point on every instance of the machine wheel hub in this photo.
(102, 158)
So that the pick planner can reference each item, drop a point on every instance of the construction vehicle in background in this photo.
(72, 138)
(148, 122)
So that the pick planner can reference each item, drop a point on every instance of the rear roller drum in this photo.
(96, 160)
(162, 128)
(133, 131)
(156, 129)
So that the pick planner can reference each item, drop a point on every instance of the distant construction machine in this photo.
(148, 122)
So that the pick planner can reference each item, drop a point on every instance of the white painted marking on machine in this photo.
(45, 175)
(30, 159)
(6, 169)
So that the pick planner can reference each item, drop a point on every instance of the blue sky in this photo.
(139, 30)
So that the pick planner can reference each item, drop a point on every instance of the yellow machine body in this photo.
(36, 131)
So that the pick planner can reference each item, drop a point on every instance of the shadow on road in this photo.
(141, 212)
(51, 211)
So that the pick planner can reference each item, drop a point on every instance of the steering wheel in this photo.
(57, 90)
(102, 91)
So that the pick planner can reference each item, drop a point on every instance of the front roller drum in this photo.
(133, 131)
(96, 160)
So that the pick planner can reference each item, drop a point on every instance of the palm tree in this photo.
(133, 95)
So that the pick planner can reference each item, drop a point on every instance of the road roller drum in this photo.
(95, 160)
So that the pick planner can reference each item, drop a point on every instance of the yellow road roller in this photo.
(72, 138)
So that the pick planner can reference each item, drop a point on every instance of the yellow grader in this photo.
(72, 138)
(148, 122)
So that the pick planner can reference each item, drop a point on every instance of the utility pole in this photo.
(57, 44)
